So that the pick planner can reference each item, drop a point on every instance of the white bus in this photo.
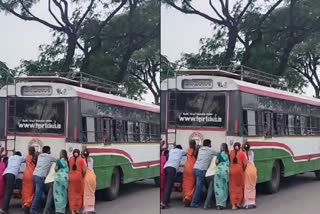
(122, 135)
(240, 105)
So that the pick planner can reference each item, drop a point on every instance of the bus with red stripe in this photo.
(238, 105)
(122, 135)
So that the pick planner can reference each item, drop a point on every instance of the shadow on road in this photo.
(287, 184)
(127, 190)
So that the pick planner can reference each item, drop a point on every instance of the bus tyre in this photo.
(157, 181)
(273, 185)
(317, 173)
(112, 192)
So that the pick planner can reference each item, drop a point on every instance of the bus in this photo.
(238, 104)
(122, 135)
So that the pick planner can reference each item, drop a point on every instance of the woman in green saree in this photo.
(61, 181)
(221, 179)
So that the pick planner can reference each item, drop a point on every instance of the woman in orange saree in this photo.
(250, 180)
(90, 184)
(238, 163)
(189, 180)
(27, 181)
(76, 181)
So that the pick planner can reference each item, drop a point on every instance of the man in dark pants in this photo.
(200, 168)
(10, 174)
(39, 175)
(49, 207)
(170, 168)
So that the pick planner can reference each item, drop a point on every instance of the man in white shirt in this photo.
(200, 168)
(171, 167)
(10, 174)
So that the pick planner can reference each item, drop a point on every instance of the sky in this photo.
(19, 40)
(180, 33)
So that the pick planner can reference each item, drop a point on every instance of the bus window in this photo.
(155, 132)
(136, 128)
(91, 137)
(303, 125)
(130, 131)
(291, 119)
(84, 129)
(37, 115)
(197, 109)
(314, 125)
(125, 131)
(249, 120)
(106, 130)
(267, 127)
(143, 132)
(148, 132)
(297, 125)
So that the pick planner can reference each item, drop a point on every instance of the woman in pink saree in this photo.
(3, 166)
(163, 159)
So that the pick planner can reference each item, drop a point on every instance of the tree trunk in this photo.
(72, 43)
(317, 92)
(232, 40)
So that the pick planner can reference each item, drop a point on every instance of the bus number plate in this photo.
(36, 91)
(197, 84)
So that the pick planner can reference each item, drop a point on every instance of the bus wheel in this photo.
(273, 185)
(317, 173)
(112, 192)
(157, 181)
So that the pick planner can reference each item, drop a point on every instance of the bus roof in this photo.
(219, 83)
(34, 89)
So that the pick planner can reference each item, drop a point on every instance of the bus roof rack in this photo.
(79, 79)
(236, 72)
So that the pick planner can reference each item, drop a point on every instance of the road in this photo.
(136, 198)
(298, 195)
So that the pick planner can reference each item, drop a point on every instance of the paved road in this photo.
(136, 198)
(298, 195)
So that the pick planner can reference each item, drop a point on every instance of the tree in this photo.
(112, 46)
(285, 28)
(144, 66)
(63, 23)
(167, 68)
(231, 20)
(106, 52)
(305, 60)
(6, 74)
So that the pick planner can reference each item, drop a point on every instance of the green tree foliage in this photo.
(270, 45)
(6, 75)
(305, 60)
(109, 48)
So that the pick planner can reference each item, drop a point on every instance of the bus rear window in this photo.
(37, 116)
(199, 109)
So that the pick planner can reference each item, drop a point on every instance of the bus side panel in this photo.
(105, 164)
(103, 170)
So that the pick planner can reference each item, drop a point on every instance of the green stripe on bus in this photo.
(265, 158)
(104, 165)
